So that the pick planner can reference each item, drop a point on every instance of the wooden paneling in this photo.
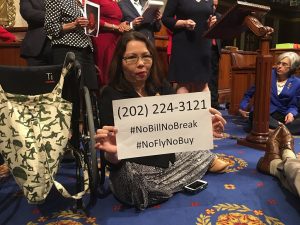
(236, 75)
(242, 80)
(224, 77)
(10, 55)
(161, 43)
(242, 77)
(10, 52)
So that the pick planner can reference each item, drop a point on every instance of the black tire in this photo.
(92, 154)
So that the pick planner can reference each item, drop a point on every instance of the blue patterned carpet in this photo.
(241, 196)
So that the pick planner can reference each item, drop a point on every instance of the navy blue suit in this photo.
(280, 105)
(35, 47)
(130, 13)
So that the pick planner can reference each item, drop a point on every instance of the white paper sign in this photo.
(163, 124)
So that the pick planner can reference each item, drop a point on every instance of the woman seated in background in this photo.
(145, 181)
(285, 95)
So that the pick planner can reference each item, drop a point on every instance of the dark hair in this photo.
(116, 76)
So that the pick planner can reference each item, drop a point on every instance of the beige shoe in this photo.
(218, 166)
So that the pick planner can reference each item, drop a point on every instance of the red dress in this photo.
(105, 43)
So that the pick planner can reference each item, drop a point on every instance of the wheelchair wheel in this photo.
(89, 146)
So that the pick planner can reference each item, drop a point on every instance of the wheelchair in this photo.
(85, 116)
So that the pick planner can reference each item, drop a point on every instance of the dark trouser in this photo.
(44, 58)
(275, 117)
(294, 127)
(84, 56)
(213, 83)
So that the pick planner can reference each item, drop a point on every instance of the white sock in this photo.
(273, 166)
(288, 153)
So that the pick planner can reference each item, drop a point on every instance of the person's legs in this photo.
(214, 79)
(280, 159)
(183, 87)
(59, 53)
(294, 127)
(289, 169)
(199, 87)
(274, 119)
(289, 174)
(44, 58)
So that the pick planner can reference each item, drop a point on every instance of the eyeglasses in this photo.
(146, 59)
(283, 64)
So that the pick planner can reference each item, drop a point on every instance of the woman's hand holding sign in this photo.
(106, 141)
(218, 123)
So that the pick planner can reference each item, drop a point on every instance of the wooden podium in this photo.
(241, 17)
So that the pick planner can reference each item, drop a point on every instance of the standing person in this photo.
(285, 95)
(65, 23)
(36, 46)
(111, 28)
(132, 12)
(191, 53)
(145, 181)
(213, 83)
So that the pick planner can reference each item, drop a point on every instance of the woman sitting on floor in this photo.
(145, 181)
(285, 95)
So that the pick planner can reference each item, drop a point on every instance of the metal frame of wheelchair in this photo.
(84, 115)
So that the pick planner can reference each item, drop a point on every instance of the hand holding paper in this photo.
(149, 11)
(137, 21)
(106, 139)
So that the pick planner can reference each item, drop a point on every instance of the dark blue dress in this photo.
(190, 58)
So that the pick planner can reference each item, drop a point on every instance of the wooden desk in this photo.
(236, 76)
(10, 54)
(224, 76)
(161, 43)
